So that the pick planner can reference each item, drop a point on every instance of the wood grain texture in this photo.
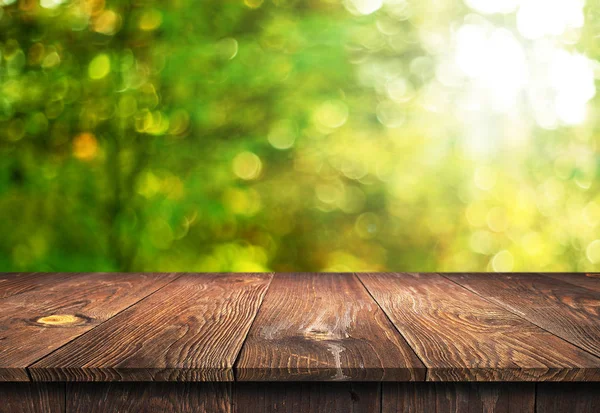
(306, 397)
(191, 330)
(148, 398)
(462, 337)
(18, 283)
(564, 309)
(324, 327)
(32, 397)
(458, 398)
(589, 281)
(568, 398)
(37, 322)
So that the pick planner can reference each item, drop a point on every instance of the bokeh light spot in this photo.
(51, 4)
(368, 225)
(282, 135)
(51, 60)
(107, 23)
(593, 251)
(247, 166)
(503, 261)
(331, 114)
(363, 6)
(253, 4)
(85, 146)
(227, 48)
(99, 67)
(150, 20)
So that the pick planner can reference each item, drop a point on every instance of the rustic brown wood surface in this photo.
(458, 397)
(568, 398)
(564, 309)
(305, 330)
(37, 322)
(148, 398)
(589, 281)
(298, 327)
(461, 336)
(191, 330)
(32, 397)
(324, 327)
(303, 397)
(18, 283)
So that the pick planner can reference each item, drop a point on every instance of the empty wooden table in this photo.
(301, 342)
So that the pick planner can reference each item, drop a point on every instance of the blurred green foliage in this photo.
(291, 135)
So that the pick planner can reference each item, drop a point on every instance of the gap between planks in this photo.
(561, 363)
(174, 277)
(509, 308)
(237, 357)
(191, 330)
(324, 327)
(394, 325)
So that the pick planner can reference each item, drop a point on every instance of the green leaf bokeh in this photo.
(284, 135)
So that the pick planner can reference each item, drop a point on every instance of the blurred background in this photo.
(291, 135)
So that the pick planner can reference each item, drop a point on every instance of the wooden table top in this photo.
(299, 327)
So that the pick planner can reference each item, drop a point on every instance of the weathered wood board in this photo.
(461, 336)
(191, 330)
(324, 327)
(37, 322)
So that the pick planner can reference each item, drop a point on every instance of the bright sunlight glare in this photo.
(524, 70)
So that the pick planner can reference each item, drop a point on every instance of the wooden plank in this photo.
(569, 311)
(18, 283)
(32, 397)
(35, 323)
(307, 397)
(460, 336)
(458, 397)
(191, 330)
(149, 397)
(568, 397)
(324, 327)
(589, 281)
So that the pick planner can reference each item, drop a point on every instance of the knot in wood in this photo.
(60, 319)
